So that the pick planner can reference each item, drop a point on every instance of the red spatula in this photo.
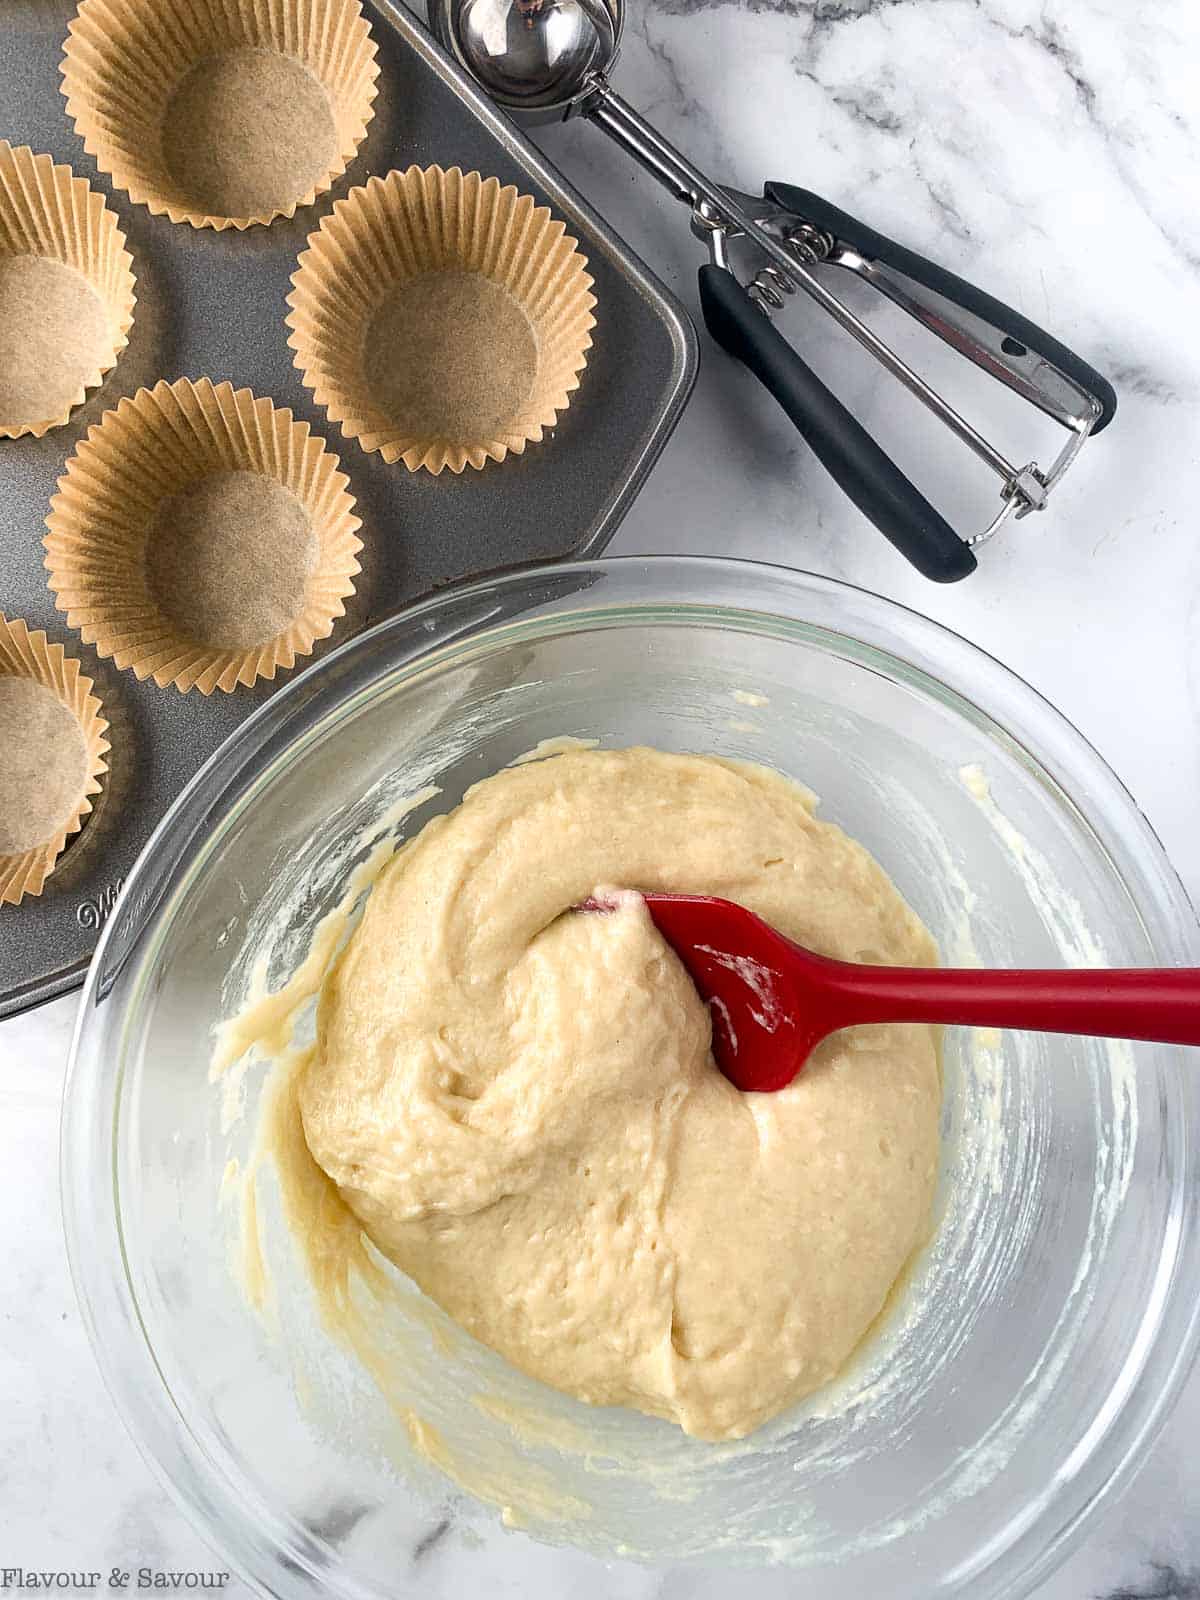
(773, 1001)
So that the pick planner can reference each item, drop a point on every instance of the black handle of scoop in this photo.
(843, 446)
(874, 246)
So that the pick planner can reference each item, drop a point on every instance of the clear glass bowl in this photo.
(1039, 1340)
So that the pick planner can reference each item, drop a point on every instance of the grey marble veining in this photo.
(1049, 150)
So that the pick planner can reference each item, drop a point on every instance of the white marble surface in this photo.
(1048, 148)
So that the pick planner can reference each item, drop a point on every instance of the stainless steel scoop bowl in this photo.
(545, 60)
(531, 57)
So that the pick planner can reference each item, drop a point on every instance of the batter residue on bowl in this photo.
(520, 1107)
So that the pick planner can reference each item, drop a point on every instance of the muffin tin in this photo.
(212, 304)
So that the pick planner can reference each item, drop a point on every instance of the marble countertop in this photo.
(1048, 149)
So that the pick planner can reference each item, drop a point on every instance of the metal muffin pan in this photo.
(212, 305)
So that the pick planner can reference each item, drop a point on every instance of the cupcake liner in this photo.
(43, 787)
(221, 113)
(440, 318)
(202, 537)
(58, 338)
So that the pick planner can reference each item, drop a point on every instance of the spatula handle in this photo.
(1154, 1004)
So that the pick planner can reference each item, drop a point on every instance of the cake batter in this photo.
(519, 1104)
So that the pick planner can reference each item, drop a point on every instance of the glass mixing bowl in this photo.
(1037, 1342)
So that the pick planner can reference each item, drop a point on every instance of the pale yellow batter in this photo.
(519, 1103)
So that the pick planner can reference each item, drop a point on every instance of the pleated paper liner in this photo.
(441, 318)
(221, 113)
(202, 537)
(66, 292)
(52, 745)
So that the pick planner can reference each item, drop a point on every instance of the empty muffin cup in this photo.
(221, 115)
(52, 744)
(441, 318)
(66, 292)
(202, 537)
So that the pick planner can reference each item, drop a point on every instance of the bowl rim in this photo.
(281, 728)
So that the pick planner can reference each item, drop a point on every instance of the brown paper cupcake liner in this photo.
(202, 537)
(441, 318)
(60, 331)
(41, 786)
(224, 114)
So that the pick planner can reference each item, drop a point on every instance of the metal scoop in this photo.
(772, 1001)
(545, 60)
